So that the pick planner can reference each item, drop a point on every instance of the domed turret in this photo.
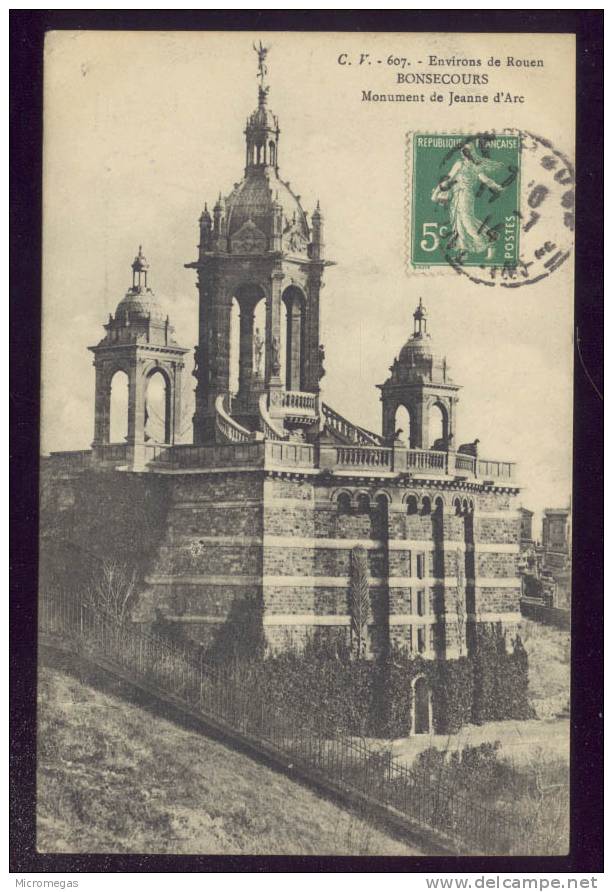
(139, 316)
(418, 381)
(417, 358)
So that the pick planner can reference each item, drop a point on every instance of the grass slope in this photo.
(548, 651)
(113, 777)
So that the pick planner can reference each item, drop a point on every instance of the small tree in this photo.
(359, 604)
(112, 590)
(460, 601)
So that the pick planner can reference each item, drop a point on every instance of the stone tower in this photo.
(258, 246)
(419, 382)
(139, 342)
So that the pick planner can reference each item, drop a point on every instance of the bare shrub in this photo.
(112, 590)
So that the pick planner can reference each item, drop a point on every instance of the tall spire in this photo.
(262, 130)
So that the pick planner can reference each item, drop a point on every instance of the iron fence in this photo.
(311, 742)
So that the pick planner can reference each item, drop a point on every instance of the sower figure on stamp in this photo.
(458, 189)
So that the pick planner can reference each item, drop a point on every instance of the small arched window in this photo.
(412, 505)
(343, 503)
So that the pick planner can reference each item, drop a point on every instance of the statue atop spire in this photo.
(262, 52)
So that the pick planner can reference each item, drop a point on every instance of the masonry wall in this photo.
(217, 548)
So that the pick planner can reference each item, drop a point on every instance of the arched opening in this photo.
(422, 707)
(426, 506)
(120, 395)
(235, 314)
(157, 408)
(247, 338)
(438, 426)
(412, 505)
(293, 301)
(402, 427)
(380, 520)
(272, 154)
(343, 503)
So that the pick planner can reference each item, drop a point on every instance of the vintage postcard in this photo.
(307, 420)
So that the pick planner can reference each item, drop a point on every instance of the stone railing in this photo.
(271, 431)
(465, 462)
(300, 401)
(356, 457)
(112, 452)
(182, 457)
(488, 469)
(65, 462)
(348, 431)
(299, 455)
(231, 429)
(422, 460)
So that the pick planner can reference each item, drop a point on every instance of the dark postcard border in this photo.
(27, 30)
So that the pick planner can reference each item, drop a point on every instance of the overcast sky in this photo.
(141, 129)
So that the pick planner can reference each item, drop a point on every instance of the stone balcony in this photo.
(365, 460)
(374, 461)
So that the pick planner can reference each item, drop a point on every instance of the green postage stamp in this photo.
(465, 200)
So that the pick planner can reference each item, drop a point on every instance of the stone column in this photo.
(102, 420)
(311, 337)
(273, 332)
(245, 360)
(136, 403)
(419, 425)
(176, 419)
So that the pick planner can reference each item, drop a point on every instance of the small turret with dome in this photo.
(418, 359)
(139, 318)
(419, 379)
(139, 343)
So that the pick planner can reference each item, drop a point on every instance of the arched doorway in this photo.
(120, 395)
(422, 707)
(157, 408)
(402, 426)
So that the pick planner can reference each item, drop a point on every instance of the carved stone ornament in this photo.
(276, 356)
(249, 239)
(296, 243)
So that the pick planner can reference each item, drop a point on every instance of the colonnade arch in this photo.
(158, 413)
(438, 425)
(119, 402)
(293, 300)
